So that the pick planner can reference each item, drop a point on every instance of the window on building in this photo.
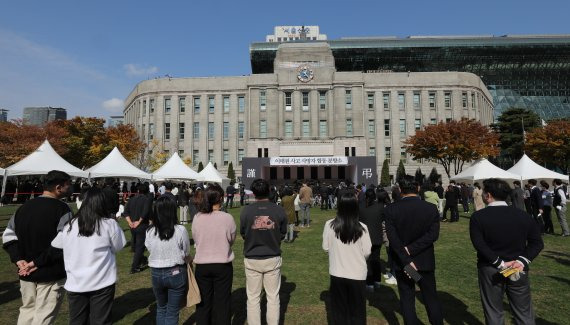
(447, 99)
(181, 131)
(417, 101)
(372, 151)
(387, 127)
(348, 127)
(241, 130)
(386, 100)
(196, 104)
(151, 131)
(323, 129)
(348, 99)
(371, 128)
(241, 104)
(211, 104)
(403, 154)
(211, 130)
(226, 130)
(262, 100)
(370, 100)
(167, 105)
(196, 130)
(305, 101)
(322, 99)
(288, 129)
(464, 100)
(144, 107)
(151, 103)
(306, 128)
(211, 155)
(432, 100)
(288, 106)
(263, 129)
(402, 128)
(417, 124)
(166, 131)
(226, 157)
(401, 101)
(195, 157)
(241, 154)
(226, 102)
(182, 104)
(388, 153)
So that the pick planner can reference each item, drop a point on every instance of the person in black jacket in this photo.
(372, 214)
(504, 237)
(412, 226)
(451, 198)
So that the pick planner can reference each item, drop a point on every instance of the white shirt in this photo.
(90, 262)
(167, 253)
(347, 260)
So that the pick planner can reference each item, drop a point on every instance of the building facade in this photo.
(42, 115)
(304, 108)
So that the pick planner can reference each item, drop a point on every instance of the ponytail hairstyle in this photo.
(346, 225)
(164, 217)
(211, 196)
(92, 210)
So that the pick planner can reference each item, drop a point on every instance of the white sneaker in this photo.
(391, 280)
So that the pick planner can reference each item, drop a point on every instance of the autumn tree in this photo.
(550, 145)
(453, 143)
(509, 127)
(385, 174)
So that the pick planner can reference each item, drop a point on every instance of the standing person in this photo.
(214, 233)
(451, 198)
(169, 247)
(412, 226)
(305, 197)
(559, 203)
(230, 191)
(89, 242)
(27, 239)
(137, 214)
(183, 198)
(547, 208)
(478, 197)
(517, 196)
(372, 215)
(347, 242)
(536, 203)
(288, 203)
(499, 247)
(263, 225)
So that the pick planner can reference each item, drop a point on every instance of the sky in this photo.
(87, 56)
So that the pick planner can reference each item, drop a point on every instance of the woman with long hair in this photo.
(90, 241)
(371, 214)
(169, 246)
(348, 244)
(214, 232)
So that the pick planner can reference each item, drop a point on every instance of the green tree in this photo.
(419, 177)
(434, 176)
(200, 167)
(509, 127)
(385, 175)
(231, 172)
(401, 172)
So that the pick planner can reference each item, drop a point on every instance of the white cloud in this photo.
(135, 70)
(114, 105)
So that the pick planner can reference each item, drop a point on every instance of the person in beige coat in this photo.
(478, 197)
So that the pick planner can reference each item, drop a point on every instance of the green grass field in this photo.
(304, 290)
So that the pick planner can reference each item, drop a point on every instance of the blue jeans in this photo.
(169, 286)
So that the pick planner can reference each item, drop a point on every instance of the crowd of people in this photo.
(58, 251)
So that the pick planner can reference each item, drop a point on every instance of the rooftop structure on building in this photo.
(523, 71)
(42, 115)
(295, 33)
(3, 115)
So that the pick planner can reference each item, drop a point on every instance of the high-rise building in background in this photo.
(3, 115)
(43, 115)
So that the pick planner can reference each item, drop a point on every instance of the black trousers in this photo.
(91, 308)
(454, 212)
(492, 287)
(407, 290)
(215, 283)
(374, 266)
(348, 301)
(139, 235)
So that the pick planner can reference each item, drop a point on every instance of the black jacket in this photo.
(414, 224)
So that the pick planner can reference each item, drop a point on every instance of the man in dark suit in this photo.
(536, 203)
(504, 237)
(412, 226)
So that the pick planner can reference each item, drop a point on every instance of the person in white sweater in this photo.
(348, 244)
(89, 242)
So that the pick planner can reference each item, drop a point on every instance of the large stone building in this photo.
(304, 108)
(42, 115)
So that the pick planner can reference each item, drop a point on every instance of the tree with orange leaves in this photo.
(453, 143)
(550, 145)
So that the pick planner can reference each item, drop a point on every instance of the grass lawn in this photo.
(304, 289)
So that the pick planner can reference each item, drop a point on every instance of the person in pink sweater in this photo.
(214, 232)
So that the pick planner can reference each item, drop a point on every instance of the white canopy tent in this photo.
(115, 165)
(212, 175)
(483, 169)
(40, 162)
(526, 168)
(175, 169)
